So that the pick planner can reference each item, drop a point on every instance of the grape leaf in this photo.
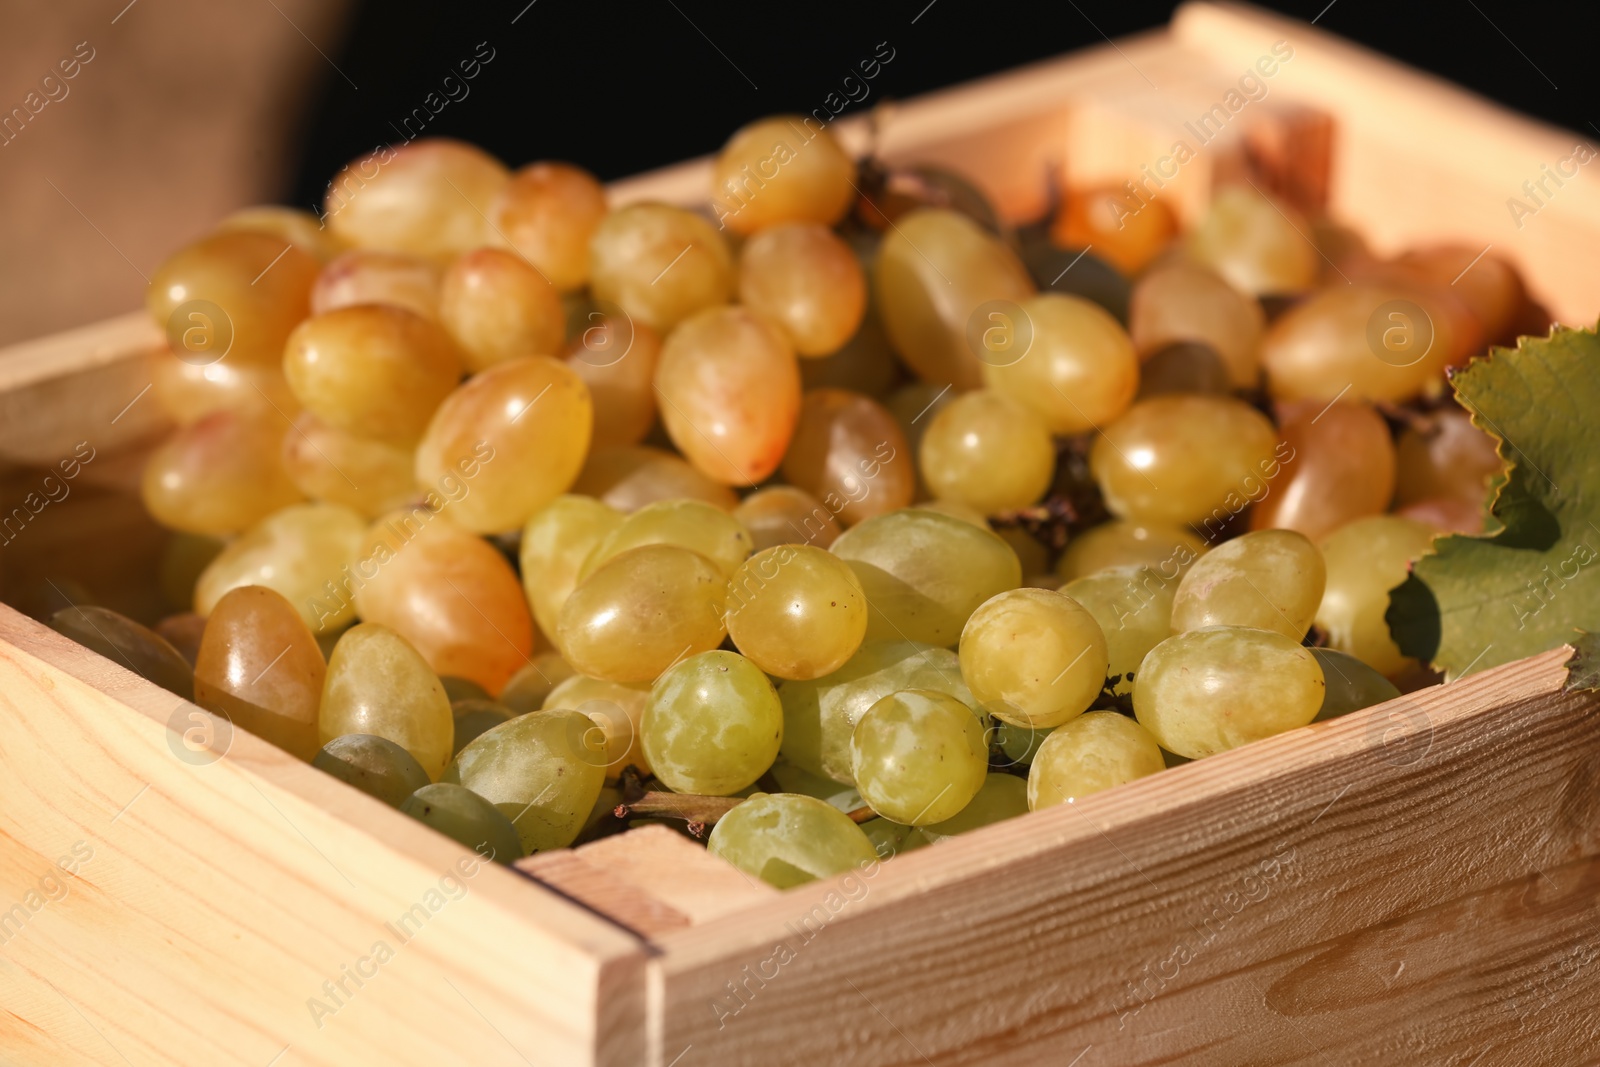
(1533, 581)
(1583, 666)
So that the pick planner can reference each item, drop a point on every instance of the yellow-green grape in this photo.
(542, 771)
(796, 611)
(936, 271)
(1266, 580)
(1092, 752)
(534, 681)
(804, 277)
(986, 450)
(691, 524)
(183, 560)
(919, 756)
(372, 476)
(712, 725)
(458, 689)
(890, 838)
(784, 515)
(729, 390)
(465, 817)
(300, 228)
(785, 168)
(190, 391)
(1079, 370)
(1186, 459)
(1442, 455)
(1018, 744)
(1003, 796)
(914, 406)
(628, 477)
(1187, 303)
(924, 573)
(234, 295)
(1206, 691)
(1352, 685)
(375, 765)
(555, 543)
(1133, 606)
(220, 474)
(618, 710)
(127, 644)
(965, 512)
(429, 197)
(378, 684)
(367, 276)
(305, 553)
(786, 840)
(1033, 657)
(515, 436)
(1365, 560)
(497, 307)
(793, 779)
(617, 358)
(1033, 555)
(866, 364)
(820, 714)
(659, 264)
(642, 612)
(474, 717)
(1166, 548)
(547, 214)
(849, 451)
(1258, 245)
(373, 370)
(259, 665)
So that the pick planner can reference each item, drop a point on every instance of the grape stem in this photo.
(861, 815)
(686, 806)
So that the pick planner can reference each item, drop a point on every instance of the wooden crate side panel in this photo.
(209, 902)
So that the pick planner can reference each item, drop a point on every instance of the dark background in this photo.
(621, 89)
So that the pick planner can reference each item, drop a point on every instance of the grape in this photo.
(224, 296)
(1166, 549)
(1206, 691)
(784, 515)
(712, 725)
(465, 817)
(1033, 657)
(447, 592)
(617, 360)
(534, 682)
(1446, 514)
(819, 715)
(629, 477)
(1033, 556)
(190, 391)
(965, 512)
(183, 632)
(987, 451)
(924, 573)
(729, 390)
(1267, 580)
(1186, 459)
(1258, 245)
(542, 771)
(458, 689)
(796, 611)
(300, 228)
(497, 307)
(1366, 559)
(781, 169)
(515, 434)
(365, 276)
(473, 718)
(643, 611)
(1092, 752)
(1079, 370)
(618, 710)
(807, 280)
(1442, 455)
(1126, 234)
(183, 560)
(1489, 285)
(935, 271)
(303, 552)
(127, 644)
(547, 214)
(555, 543)
(659, 264)
(691, 524)
(848, 451)
(375, 765)
(363, 473)
(1018, 744)
(919, 756)
(1352, 685)
(890, 838)
(787, 840)
(1342, 468)
(378, 684)
(374, 370)
(1133, 606)
(1183, 368)
(866, 364)
(260, 668)
(220, 474)
(1187, 302)
(428, 197)
(1003, 796)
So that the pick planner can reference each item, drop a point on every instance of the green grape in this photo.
(796, 611)
(713, 725)
(890, 838)
(659, 264)
(618, 710)
(1206, 691)
(794, 779)
(375, 765)
(462, 689)
(304, 552)
(462, 815)
(1002, 797)
(1365, 560)
(1259, 246)
(1352, 685)
(1267, 580)
(781, 169)
(1079, 371)
(378, 684)
(1133, 606)
(1092, 752)
(691, 524)
(787, 840)
(1018, 745)
(1033, 657)
(474, 717)
(924, 573)
(542, 771)
(1166, 549)
(988, 451)
(919, 756)
(127, 644)
(819, 715)
(534, 682)
(555, 543)
(805, 277)
(1186, 303)
(784, 515)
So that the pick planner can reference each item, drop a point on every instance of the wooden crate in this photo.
(1418, 883)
